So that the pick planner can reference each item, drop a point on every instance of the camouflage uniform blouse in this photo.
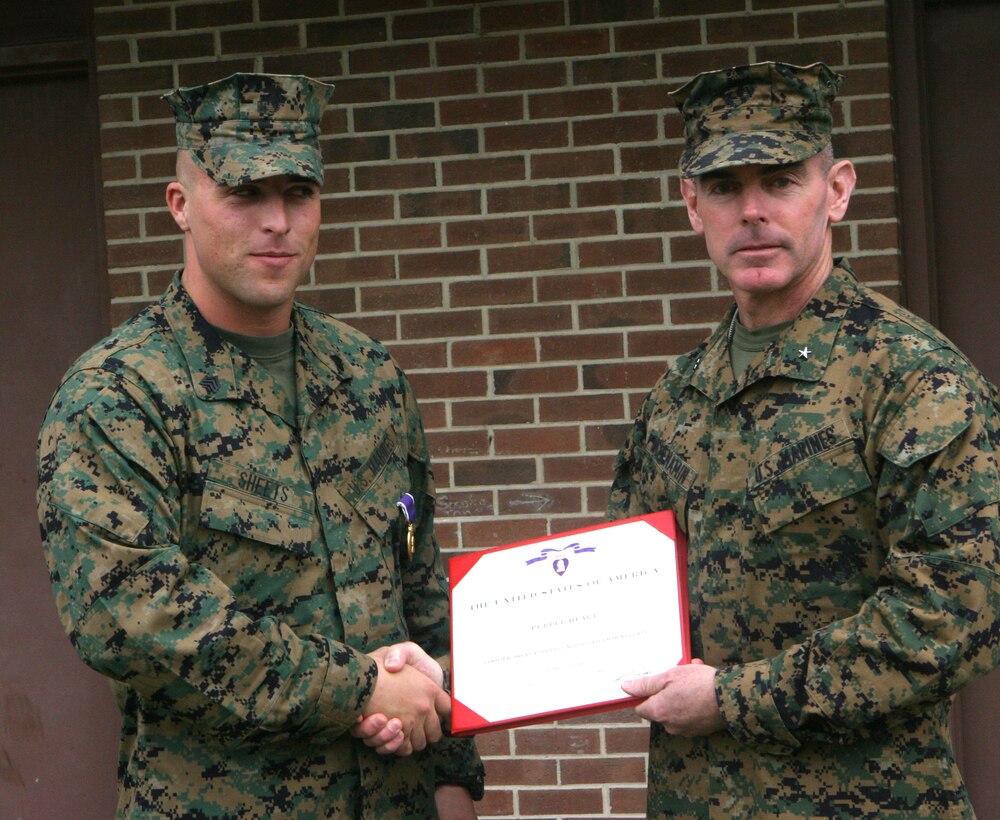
(228, 568)
(840, 504)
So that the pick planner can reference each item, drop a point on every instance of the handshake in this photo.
(408, 705)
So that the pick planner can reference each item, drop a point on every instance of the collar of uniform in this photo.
(215, 375)
(209, 357)
(814, 330)
(320, 356)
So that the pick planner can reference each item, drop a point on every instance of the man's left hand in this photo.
(682, 699)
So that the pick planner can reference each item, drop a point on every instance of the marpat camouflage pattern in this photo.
(760, 114)
(248, 127)
(841, 518)
(229, 568)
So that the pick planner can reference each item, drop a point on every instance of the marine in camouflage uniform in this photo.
(840, 501)
(228, 563)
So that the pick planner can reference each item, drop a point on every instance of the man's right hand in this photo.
(407, 707)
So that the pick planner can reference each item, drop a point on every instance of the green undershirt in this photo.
(748, 344)
(276, 354)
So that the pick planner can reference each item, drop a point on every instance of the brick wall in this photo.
(501, 209)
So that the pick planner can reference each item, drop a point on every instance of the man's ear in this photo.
(842, 178)
(177, 201)
(689, 190)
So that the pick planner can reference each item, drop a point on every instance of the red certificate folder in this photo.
(549, 628)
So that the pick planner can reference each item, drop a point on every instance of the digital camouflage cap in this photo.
(759, 114)
(251, 126)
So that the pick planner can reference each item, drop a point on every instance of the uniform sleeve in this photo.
(140, 612)
(933, 623)
(425, 602)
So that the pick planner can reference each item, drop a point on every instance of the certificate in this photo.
(550, 628)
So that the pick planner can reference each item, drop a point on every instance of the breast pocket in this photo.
(816, 523)
(806, 476)
(246, 503)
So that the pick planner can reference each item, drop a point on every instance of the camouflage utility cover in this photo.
(248, 127)
(229, 568)
(760, 114)
(840, 503)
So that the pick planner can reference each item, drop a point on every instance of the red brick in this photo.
(528, 258)
(251, 40)
(610, 253)
(490, 352)
(359, 208)
(839, 20)
(490, 292)
(335, 301)
(538, 500)
(481, 109)
(464, 504)
(432, 24)
(656, 220)
(536, 380)
(493, 411)
(597, 498)
(488, 169)
(580, 408)
(357, 149)
(646, 97)
(394, 117)
(336, 241)
(524, 77)
(709, 309)
(650, 159)
(625, 801)
(683, 64)
(663, 343)
(481, 232)
(536, 439)
(516, 771)
(443, 324)
(496, 802)
(519, 17)
(616, 130)
(751, 28)
(392, 237)
(601, 770)
(435, 84)
(560, 469)
(401, 297)
(621, 314)
(554, 741)
(527, 137)
(447, 535)
(133, 20)
(569, 286)
(450, 385)
(617, 192)
(444, 263)
(338, 32)
(493, 49)
(568, 43)
(610, 70)
(458, 444)
(576, 224)
(531, 319)
(572, 164)
(500, 531)
(494, 472)
(378, 326)
(607, 437)
(803, 53)
(687, 248)
(355, 269)
(432, 204)
(395, 176)
(528, 198)
(627, 375)
(655, 36)
(420, 356)
(572, 347)
(125, 285)
(389, 58)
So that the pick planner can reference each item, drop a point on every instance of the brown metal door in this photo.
(949, 134)
(58, 722)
